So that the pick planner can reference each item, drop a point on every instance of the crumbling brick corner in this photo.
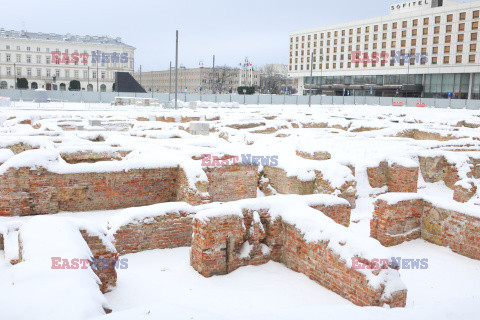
(395, 177)
(103, 251)
(396, 223)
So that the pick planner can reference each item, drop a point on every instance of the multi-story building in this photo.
(51, 61)
(199, 80)
(423, 48)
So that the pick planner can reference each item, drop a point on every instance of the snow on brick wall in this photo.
(402, 217)
(30, 192)
(396, 177)
(232, 183)
(230, 237)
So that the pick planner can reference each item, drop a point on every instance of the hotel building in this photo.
(29, 55)
(426, 48)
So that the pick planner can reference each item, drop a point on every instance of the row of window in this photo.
(50, 73)
(459, 59)
(48, 60)
(367, 38)
(394, 26)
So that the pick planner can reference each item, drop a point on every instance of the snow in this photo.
(161, 284)
(165, 286)
(50, 293)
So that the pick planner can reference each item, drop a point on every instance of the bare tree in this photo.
(273, 79)
(223, 78)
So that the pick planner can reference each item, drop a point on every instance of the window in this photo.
(39, 59)
(39, 72)
(415, 22)
(435, 40)
(437, 19)
(8, 58)
(424, 41)
(414, 42)
(448, 39)
(385, 27)
(47, 60)
(425, 31)
(471, 58)
(463, 15)
(474, 37)
(475, 25)
(8, 47)
(38, 49)
(459, 48)
(461, 27)
(19, 58)
(57, 73)
(49, 73)
(29, 72)
(426, 21)
(435, 50)
(414, 32)
(403, 43)
(446, 60)
(67, 73)
(94, 75)
(29, 59)
(447, 49)
(394, 35)
(394, 44)
(458, 59)
(394, 25)
(450, 18)
(375, 28)
(448, 28)
(436, 30)
(404, 24)
(460, 37)
(404, 34)
(476, 14)
(18, 48)
(473, 47)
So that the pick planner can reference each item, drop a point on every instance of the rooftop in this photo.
(105, 40)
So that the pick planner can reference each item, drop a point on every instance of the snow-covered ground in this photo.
(160, 284)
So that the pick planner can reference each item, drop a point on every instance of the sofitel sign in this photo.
(410, 5)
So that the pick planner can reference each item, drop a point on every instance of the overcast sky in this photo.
(232, 30)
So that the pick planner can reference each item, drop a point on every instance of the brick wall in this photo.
(230, 183)
(393, 224)
(436, 169)
(107, 276)
(287, 185)
(395, 177)
(396, 222)
(167, 231)
(324, 266)
(347, 191)
(30, 192)
(462, 194)
(340, 213)
(452, 229)
(317, 155)
(222, 244)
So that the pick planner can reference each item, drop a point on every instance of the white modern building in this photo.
(51, 61)
(423, 48)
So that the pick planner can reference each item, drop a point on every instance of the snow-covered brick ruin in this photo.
(335, 194)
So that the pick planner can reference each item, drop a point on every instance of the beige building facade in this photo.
(426, 48)
(50, 61)
(198, 80)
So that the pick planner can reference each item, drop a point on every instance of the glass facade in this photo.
(455, 85)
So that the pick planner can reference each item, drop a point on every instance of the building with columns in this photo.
(422, 48)
(51, 61)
